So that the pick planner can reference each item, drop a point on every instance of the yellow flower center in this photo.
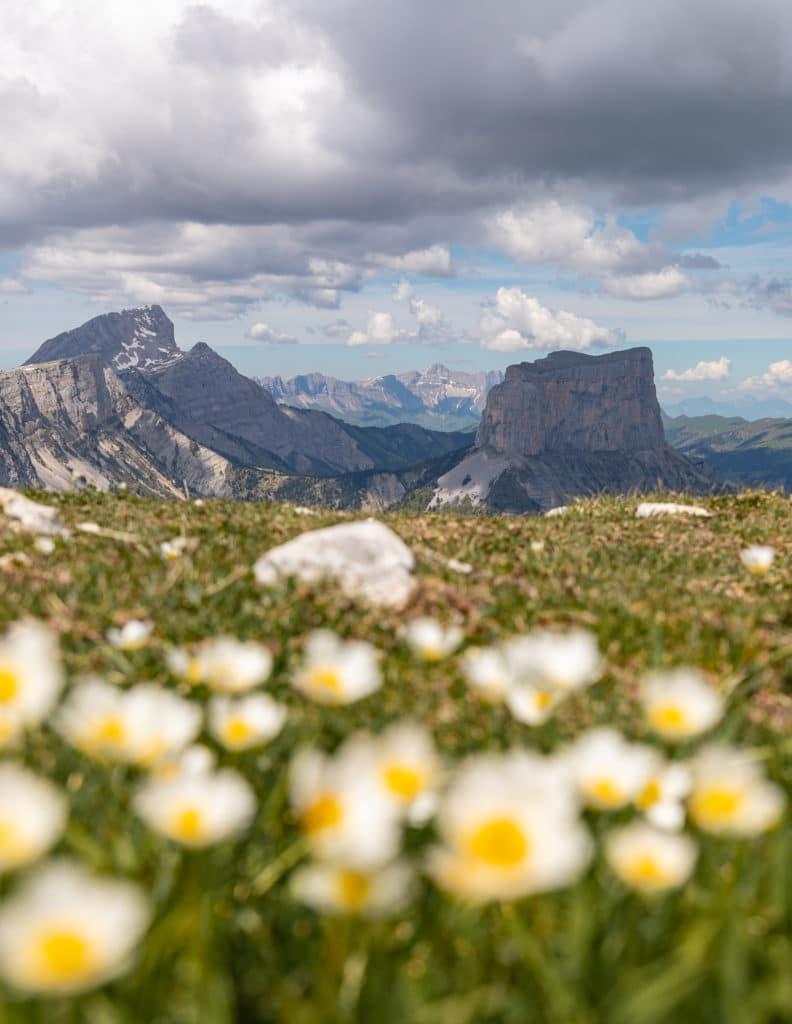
(670, 718)
(543, 699)
(500, 843)
(648, 796)
(63, 956)
(110, 731)
(9, 685)
(188, 825)
(606, 793)
(325, 812)
(324, 677)
(353, 889)
(715, 805)
(237, 732)
(644, 870)
(758, 568)
(431, 652)
(405, 782)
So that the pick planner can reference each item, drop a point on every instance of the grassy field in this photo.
(229, 942)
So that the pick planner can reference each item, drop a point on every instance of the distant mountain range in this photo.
(118, 401)
(440, 398)
(743, 406)
(755, 453)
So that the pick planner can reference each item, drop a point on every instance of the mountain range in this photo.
(438, 397)
(117, 401)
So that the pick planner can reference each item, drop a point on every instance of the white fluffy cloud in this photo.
(717, 369)
(380, 330)
(11, 286)
(268, 335)
(432, 262)
(778, 375)
(658, 284)
(519, 321)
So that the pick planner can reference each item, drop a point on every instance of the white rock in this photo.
(559, 510)
(31, 515)
(366, 559)
(669, 508)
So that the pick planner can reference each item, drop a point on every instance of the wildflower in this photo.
(509, 827)
(174, 549)
(646, 859)
(338, 672)
(432, 641)
(487, 672)
(66, 930)
(555, 661)
(32, 816)
(197, 808)
(730, 795)
(662, 799)
(44, 545)
(195, 760)
(532, 705)
(402, 762)
(234, 666)
(680, 704)
(344, 814)
(31, 677)
(132, 636)
(140, 726)
(537, 546)
(245, 722)
(610, 772)
(757, 559)
(335, 889)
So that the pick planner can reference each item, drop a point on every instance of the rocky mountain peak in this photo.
(573, 402)
(132, 339)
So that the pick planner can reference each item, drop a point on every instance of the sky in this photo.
(368, 186)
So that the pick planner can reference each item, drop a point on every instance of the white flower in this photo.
(432, 641)
(173, 549)
(537, 546)
(44, 545)
(338, 672)
(562, 661)
(132, 636)
(195, 760)
(232, 666)
(730, 795)
(757, 559)
(140, 726)
(66, 930)
(487, 672)
(31, 677)
(336, 889)
(343, 812)
(662, 800)
(32, 816)
(610, 772)
(403, 762)
(680, 703)
(245, 722)
(197, 808)
(94, 528)
(532, 705)
(647, 859)
(509, 827)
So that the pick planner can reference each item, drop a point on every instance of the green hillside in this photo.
(229, 942)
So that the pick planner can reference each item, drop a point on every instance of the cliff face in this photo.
(568, 425)
(569, 402)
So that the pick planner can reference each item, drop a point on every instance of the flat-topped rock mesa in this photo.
(572, 402)
(567, 425)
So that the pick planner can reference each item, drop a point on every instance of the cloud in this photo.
(778, 375)
(380, 330)
(774, 294)
(660, 284)
(268, 335)
(402, 291)
(718, 369)
(433, 262)
(11, 286)
(519, 321)
(699, 261)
